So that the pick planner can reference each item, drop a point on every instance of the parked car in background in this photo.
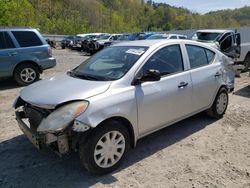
(229, 43)
(98, 44)
(87, 41)
(166, 36)
(75, 43)
(66, 41)
(103, 106)
(24, 54)
(130, 37)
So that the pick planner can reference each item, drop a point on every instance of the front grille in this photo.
(35, 116)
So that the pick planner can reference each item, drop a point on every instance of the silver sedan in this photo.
(121, 94)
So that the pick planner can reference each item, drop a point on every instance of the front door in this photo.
(167, 100)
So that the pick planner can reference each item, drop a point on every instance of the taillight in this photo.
(50, 51)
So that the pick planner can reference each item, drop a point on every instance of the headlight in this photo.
(62, 117)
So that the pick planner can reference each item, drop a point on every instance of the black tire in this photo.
(63, 47)
(87, 149)
(246, 63)
(20, 70)
(214, 111)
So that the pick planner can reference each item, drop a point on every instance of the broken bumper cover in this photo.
(33, 137)
(61, 142)
(58, 143)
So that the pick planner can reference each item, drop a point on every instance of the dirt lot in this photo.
(197, 152)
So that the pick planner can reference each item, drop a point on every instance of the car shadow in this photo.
(22, 165)
(244, 92)
(8, 84)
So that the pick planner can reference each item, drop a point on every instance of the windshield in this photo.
(109, 64)
(206, 36)
(157, 36)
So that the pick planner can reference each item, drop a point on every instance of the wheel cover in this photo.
(221, 103)
(109, 149)
(28, 75)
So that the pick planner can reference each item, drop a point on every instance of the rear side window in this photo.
(173, 37)
(199, 56)
(167, 60)
(182, 37)
(5, 41)
(27, 38)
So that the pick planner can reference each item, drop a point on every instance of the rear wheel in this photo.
(26, 74)
(219, 106)
(104, 151)
(246, 64)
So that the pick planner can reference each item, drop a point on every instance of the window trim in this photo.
(204, 48)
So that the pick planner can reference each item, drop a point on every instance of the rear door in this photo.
(205, 75)
(169, 99)
(31, 46)
(229, 45)
(8, 55)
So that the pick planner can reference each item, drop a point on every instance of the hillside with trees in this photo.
(114, 16)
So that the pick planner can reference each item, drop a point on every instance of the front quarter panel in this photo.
(119, 102)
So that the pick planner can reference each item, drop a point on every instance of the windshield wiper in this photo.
(87, 76)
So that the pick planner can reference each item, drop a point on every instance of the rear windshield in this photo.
(206, 36)
(27, 38)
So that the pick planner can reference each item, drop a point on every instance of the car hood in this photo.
(60, 89)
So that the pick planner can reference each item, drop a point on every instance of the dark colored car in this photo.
(66, 41)
(98, 44)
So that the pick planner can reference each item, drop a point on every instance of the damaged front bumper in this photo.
(58, 142)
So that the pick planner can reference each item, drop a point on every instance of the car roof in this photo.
(214, 30)
(159, 42)
(147, 43)
(17, 29)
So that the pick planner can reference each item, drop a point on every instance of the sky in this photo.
(204, 6)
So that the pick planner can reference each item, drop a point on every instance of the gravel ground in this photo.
(197, 152)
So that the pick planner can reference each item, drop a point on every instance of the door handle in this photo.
(217, 74)
(13, 54)
(182, 85)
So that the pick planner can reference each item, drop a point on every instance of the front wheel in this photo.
(104, 151)
(220, 103)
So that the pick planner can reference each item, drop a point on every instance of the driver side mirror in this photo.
(150, 76)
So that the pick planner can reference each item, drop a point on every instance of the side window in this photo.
(167, 60)
(173, 37)
(114, 37)
(199, 56)
(182, 37)
(27, 38)
(210, 55)
(5, 41)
